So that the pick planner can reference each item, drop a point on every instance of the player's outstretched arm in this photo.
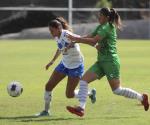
(86, 40)
(53, 60)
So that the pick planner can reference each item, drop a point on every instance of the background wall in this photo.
(21, 21)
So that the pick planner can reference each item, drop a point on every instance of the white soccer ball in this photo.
(14, 89)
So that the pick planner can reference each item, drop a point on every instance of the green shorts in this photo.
(109, 68)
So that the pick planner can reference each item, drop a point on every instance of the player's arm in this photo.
(91, 36)
(58, 52)
(54, 58)
(86, 40)
(88, 36)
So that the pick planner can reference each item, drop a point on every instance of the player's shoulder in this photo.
(107, 27)
(66, 32)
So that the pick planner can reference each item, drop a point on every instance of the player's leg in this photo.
(74, 75)
(112, 70)
(82, 94)
(57, 75)
(51, 84)
(71, 85)
(129, 93)
(126, 92)
(91, 94)
(92, 74)
(71, 92)
(55, 78)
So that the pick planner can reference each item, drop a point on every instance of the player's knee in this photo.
(48, 87)
(117, 91)
(69, 95)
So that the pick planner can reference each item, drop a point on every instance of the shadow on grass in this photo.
(52, 118)
(38, 119)
(16, 117)
(118, 117)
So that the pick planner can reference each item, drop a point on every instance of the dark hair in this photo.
(60, 21)
(114, 17)
(54, 23)
(64, 23)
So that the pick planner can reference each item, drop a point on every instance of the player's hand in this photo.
(49, 64)
(97, 47)
(70, 37)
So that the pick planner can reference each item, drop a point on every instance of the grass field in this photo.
(25, 60)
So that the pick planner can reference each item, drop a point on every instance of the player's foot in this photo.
(93, 95)
(76, 110)
(145, 102)
(43, 113)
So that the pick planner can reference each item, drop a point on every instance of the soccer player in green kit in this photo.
(107, 64)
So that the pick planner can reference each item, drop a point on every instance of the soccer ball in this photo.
(14, 89)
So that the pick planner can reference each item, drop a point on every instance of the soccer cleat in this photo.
(43, 113)
(93, 95)
(76, 110)
(145, 102)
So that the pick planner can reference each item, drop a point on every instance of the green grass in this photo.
(24, 60)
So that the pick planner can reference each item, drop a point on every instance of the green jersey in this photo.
(108, 50)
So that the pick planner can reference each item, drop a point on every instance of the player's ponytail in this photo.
(64, 23)
(114, 17)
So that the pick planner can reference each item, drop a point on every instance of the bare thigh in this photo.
(71, 85)
(89, 76)
(55, 78)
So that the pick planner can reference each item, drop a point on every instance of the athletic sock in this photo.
(129, 93)
(89, 92)
(76, 93)
(47, 98)
(83, 91)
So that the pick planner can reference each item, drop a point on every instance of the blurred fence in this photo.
(72, 12)
(36, 13)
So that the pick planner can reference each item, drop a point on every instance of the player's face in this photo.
(102, 19)
(54, 31)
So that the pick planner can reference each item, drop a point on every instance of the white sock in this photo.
(129, 93)
(76, 93)
(89, 92)
(83, 92)
(47, 98)
(82, 105)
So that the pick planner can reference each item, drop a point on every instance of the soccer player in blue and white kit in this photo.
(71, 65)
